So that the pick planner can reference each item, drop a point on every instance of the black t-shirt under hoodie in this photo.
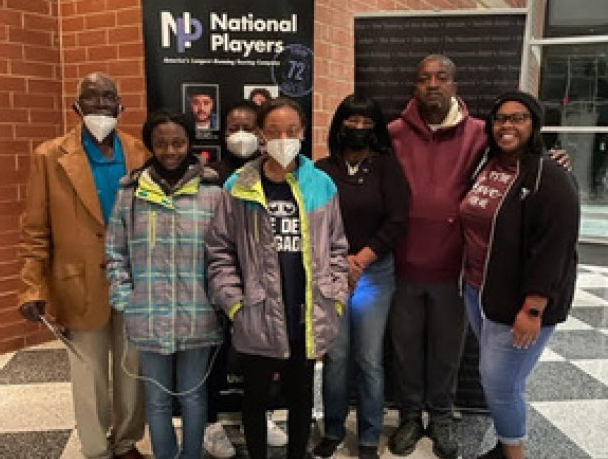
(285, 220)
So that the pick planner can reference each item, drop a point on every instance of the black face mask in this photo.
(356, 139)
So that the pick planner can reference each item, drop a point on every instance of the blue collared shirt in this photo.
(107, 172)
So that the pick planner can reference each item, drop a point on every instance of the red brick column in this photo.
(30, 101)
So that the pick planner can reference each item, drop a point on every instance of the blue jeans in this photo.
(359, 346)
(504, 369)
(190, 367)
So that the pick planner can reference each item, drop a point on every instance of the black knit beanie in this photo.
(531, 103)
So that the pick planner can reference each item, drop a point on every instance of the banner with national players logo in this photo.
(204, 56)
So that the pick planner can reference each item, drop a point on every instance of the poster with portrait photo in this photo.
(202, 102)
(211, 153)
(232, 45)
(260, 93)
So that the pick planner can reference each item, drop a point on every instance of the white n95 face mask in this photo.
(283, 151)
(99, 126)
(242, 144)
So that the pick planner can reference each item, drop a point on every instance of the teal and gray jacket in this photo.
(156, 260)
(244, 273)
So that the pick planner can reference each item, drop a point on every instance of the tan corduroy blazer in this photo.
(63, 232)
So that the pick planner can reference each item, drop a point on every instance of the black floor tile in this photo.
(596, 317)
(545, 441)
(33, 445)
(36, 367)
(579, 344)
(563, 381)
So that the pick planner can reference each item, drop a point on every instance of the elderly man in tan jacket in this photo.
(70, 195)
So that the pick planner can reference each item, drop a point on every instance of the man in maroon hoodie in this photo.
(438, 145)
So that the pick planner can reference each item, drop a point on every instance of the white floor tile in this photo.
(72, 448)
(4, 358)
(591, 280)
(596, 368)
(581, 421)
(585, 299)
(29, 407)
(549, 356)
(572, 323)
(278, 415)
(144, 446)
(55, 344)
(596, 269)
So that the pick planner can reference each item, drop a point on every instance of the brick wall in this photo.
(46, 46)
(104, 35)
(30, 101)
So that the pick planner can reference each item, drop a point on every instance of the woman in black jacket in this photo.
(373, 201)
(520, 222)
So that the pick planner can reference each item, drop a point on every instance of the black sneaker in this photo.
(326, 448)
(445, 445)
(494, 453)
(404, 439)
(368, 452)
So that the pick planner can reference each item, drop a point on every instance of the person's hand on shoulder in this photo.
(562, 158)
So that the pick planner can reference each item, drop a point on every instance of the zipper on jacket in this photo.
(152, 229)
(149, 267)
(195, 266)
(491, 239)
(173, 276)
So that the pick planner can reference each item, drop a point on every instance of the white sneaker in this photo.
(275, 436)
(216, 441)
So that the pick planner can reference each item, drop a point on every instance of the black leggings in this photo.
(296, 374)
(217, 379)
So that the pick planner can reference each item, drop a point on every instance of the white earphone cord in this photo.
(154, 381)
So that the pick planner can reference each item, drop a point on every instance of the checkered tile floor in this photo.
(568, 396)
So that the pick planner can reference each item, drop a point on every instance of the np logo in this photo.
(186, 30)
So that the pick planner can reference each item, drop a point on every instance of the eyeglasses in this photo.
(514, 118)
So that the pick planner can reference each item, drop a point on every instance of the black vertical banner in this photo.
(485, 45)
(204, 56)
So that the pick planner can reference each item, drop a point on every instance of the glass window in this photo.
(589, 156)
(574, 84)
(567, 18)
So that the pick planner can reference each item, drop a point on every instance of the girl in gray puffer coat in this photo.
(277, 266)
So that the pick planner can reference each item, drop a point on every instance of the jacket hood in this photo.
(199, 168)
(411, 116)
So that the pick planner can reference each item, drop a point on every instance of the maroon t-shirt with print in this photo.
(477, 211)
